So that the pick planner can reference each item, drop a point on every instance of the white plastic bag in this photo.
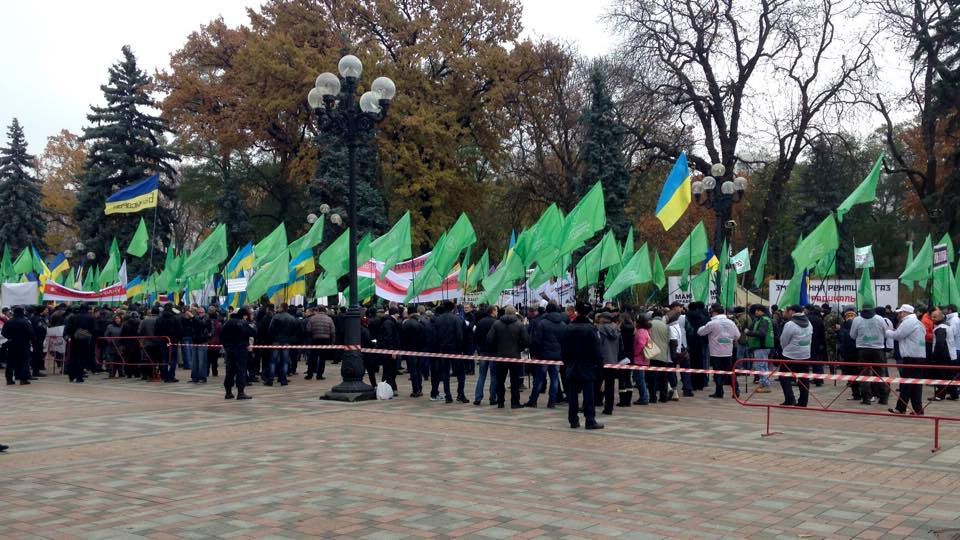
(384, 391)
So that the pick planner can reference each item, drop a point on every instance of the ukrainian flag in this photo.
(40, 267)
(675, 196)
(711, 261)
(135, 287)
(59, 266)
(136, 197)
(302, 265)
(242, 261)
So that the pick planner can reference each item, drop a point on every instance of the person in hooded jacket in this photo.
(545, 345)
(910, 337)
(869, 333)
(235, 336)
(582, 357)
(795, 342)
(610, 347)
(508, 337)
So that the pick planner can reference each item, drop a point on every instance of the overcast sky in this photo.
(55, 53)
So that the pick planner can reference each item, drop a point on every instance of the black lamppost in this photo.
(705, 193)
(338, 114)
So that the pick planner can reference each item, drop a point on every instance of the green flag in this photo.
(692, 251)
(741, 261)
(728, 291)
(724, 256)
(268, 249)
(603, 255)
(458, 238)
(6, 266)
(866, 192)
(942, 276)
(326, 286)
(24, 262)
(538, 278)
(479, 270)
(335, 260)
(524, 245)
(209, 254)
(88, 281)
(111, 270)
(140, 241)
(510, 270)
(588, 217)
(627, 246)
(919, 267)
(659, 278)
(545, 245)
(700, 287)
(464, 269)
(826, 266)
(865, 299)
(863, 257)
(820, 243)
(635, 272)
(270, 274)
(312, 238)
(906, 282)
(394, 246)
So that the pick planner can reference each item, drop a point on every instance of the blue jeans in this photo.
(762, 355)
(186, 353)
(199, 366)
(540, 382)
(279, 363)
(639, 380)
(484, 367)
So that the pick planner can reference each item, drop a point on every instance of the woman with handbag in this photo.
(642, 345)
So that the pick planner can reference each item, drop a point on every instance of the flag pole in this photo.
(153, 234)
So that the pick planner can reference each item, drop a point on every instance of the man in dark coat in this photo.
(507, 338)
(284, 330)
(19, 334)
(486, 321)
(235, 337)
(545, 345)
(168, 325)
(38, 320)
(79, 331)
(582, 358)
(818, 348)
(389, 338)
(447, 331)
(697, 345)
(412, 339)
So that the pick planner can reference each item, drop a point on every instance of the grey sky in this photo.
(55, 53)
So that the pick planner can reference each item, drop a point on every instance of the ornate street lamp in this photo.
(706, 194)
(337, 113)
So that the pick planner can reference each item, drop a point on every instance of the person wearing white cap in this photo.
(910, 335)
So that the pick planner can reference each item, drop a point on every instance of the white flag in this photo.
(863, 257)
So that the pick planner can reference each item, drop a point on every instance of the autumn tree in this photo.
(59, 166)
(126, 146)
(24, 224)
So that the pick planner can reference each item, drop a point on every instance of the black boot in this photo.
(626, 398)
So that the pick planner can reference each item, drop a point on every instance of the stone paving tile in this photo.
(125, 459)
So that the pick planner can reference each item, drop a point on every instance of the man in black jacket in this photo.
(389, 338)
(260, 361)
(412, 339)
(448, 338)
(19, 335)
(508, 337)
(580, 350)
(818, 348)
(284, 331)
(482, 328)
(38, 320)
(79, 330)
(235, 338)
(545, 345)
(169, 325)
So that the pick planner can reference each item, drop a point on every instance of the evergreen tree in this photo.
(24, 222)
(331, 186)
(602, 152)
(126, 146)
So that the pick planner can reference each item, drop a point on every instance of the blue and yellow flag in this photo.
(711, 262)
(242, 261)
(302, 265)
(135, 287)
(59, 266)
(675, 196)
(135, 197)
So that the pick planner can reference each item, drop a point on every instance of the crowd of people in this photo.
(591, 343)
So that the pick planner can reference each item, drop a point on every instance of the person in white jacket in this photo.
(795, 342)
(910, 335)
(721, 334)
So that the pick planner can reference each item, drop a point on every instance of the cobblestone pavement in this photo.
(130, 459)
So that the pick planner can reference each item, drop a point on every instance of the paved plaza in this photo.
(130, 459)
